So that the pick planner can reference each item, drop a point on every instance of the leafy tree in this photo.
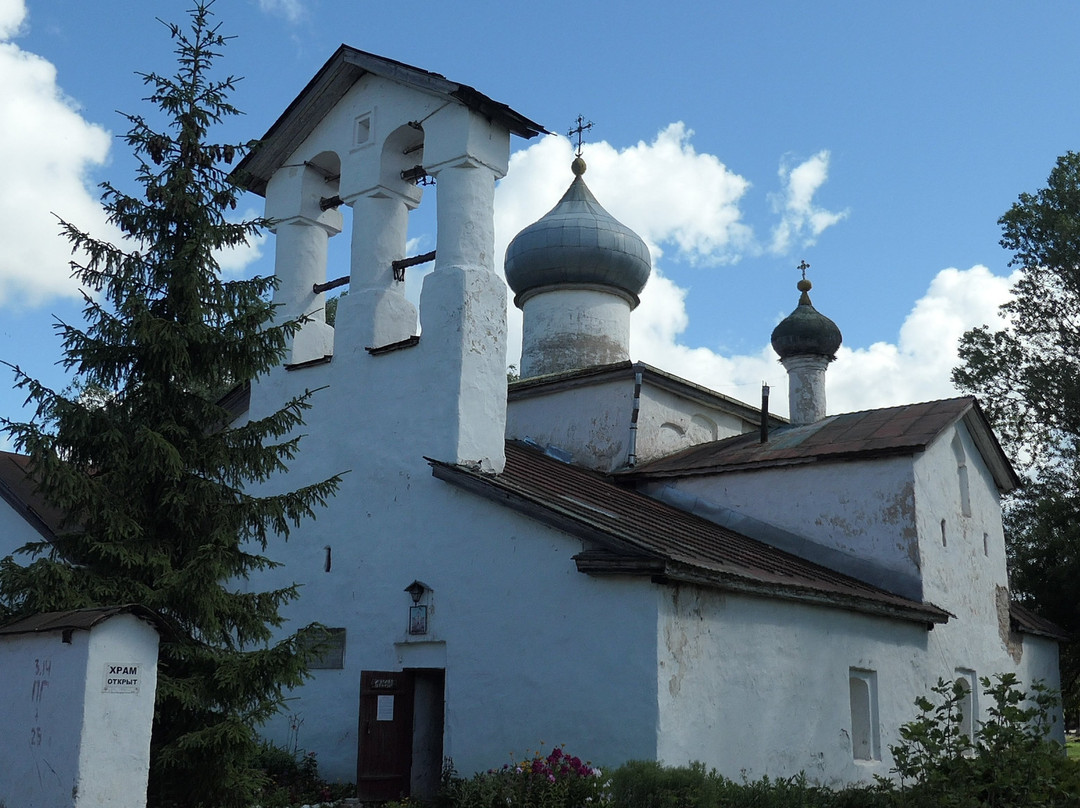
(1028, 377)
(157, 485)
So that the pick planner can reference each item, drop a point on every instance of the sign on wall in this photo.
(121, 678)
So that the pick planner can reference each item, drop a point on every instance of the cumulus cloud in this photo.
(671, 194)
(801, 221)
(917, 366)
(45, 159)
(12, 14)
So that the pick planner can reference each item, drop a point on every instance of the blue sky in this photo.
(879, 142)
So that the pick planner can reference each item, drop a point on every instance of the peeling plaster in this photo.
(1012, 641)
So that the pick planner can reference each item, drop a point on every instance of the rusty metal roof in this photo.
(78, 619)
(902, 430)
(630, 533)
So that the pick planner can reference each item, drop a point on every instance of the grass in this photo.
(1072, 748)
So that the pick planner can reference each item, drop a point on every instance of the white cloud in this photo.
(233, 261)
(800, 219)
(291, 10)
(918, 365)
(12, 14)
(670, 194)
(46, 153)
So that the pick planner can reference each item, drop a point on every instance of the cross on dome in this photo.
(579, 130)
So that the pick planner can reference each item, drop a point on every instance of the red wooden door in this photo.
(384, 757)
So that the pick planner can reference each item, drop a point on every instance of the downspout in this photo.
(764, 413)
(631, 457)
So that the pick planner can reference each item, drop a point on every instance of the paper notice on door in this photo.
(385, 709)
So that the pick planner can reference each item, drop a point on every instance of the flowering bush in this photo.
(557, 780)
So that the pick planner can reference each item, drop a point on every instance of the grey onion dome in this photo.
(577, 243)
(806, 331)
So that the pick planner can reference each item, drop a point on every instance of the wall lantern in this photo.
(418, 615)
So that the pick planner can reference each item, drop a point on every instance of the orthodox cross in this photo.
(803, 266)
(580, 129)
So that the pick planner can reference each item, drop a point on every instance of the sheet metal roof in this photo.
(902, 430)
(634, 534)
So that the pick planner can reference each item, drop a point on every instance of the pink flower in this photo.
(551, 778)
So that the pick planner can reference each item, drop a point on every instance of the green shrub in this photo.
(294, 779)
(647, 784)
(1010, 761)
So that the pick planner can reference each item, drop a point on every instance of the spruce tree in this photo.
(159, 489)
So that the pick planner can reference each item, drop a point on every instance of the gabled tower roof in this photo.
(329, 85)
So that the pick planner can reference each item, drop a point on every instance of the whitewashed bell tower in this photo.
(369, 133)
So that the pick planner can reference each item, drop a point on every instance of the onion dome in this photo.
(806, 331)
(577, 243)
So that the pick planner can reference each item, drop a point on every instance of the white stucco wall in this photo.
(761, 687)
(533, 650)
(962, 572)
(15, 532)
(71, 737)
(865, 509)
(567, 329)
(592, 420)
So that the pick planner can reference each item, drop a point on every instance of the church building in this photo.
(598, 554)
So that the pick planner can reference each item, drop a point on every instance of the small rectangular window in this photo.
(362, 129)
(865, 739)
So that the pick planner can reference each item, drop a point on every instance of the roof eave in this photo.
(605, 563)
(1005, 476)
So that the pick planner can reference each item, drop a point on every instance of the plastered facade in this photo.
(775, 677)
(616, 667)
(592, 420)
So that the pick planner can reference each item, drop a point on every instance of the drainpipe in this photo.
(631, 457)
(764, 413)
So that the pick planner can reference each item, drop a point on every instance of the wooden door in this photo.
(384, 757)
